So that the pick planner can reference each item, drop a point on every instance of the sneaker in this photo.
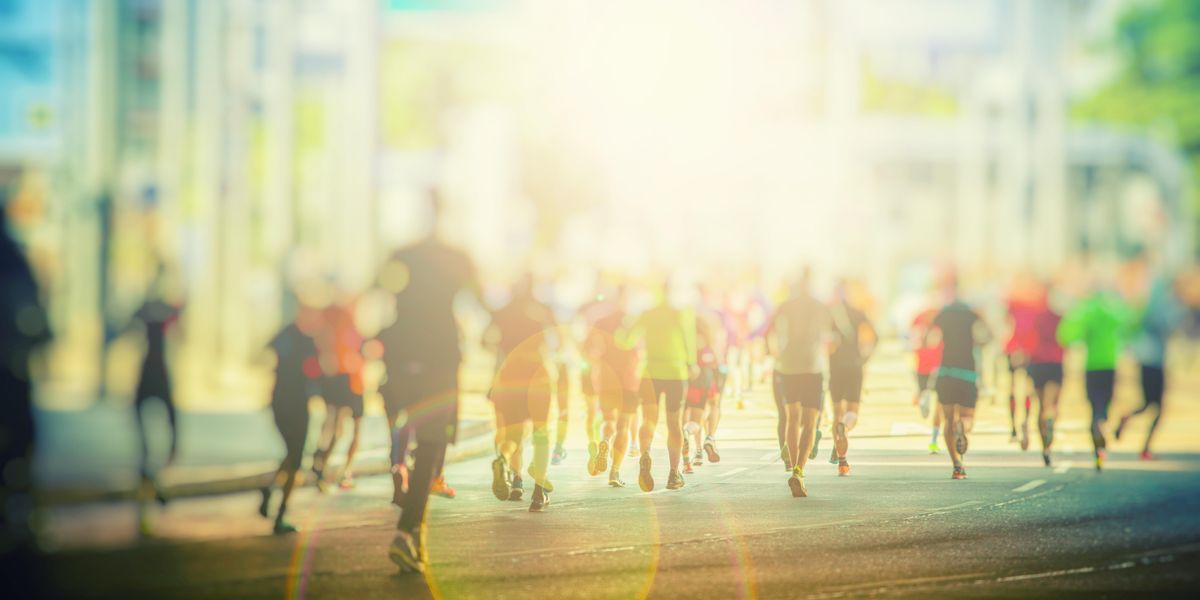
(843, 469)
(541, 499)
(960, 439)
(812, 455)
(1145, 455)
(517, 491)
(615, 482)
(645, 479)
(502, 484)
(1046, 458)
(710, 448)
(797, 484)
(1120, 428)
(346, 482)
(323, 486)
(1012, 438)
(959, 473)
(593, 450)
(559, 455)
(283, 527)
(264, 508)
(602, 457)
(441, 488)
(1025, 437)
(404, 552)
(674, 480)
(698, 459)
(933, 448)
(840, 441)
(1101, 454)
(687, 467)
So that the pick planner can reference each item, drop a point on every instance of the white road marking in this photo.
(732, 472)
(1064, 467)
(1029, 486)
(959, 505)
(770, 456)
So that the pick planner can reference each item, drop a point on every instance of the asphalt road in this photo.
(898, 526)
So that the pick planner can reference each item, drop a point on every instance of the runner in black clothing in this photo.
(961, 331)
(422, 357)
(296, 370)
(853, 342)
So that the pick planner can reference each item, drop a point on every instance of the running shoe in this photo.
(1046, 458)
(959, 473)
(1025, 436)
(559, 455)
(697, 459)
(601, 457)
(645, 479)
(1146, 455)
(404, 552)
(1012, 438)
(323, 486)
(687, 467)
(593, 450)
(674, 480)
(615, 482)
(282, 527)
(933, 448)
(796, 482)
(1101, 454)
(264, 508)
(518, 490)
(960, 438)
(441, 488)
(502, 483)
(812, 455)
(347, 482)
(541, 499)
(710, 448)
(1120, 427)
(843, 468)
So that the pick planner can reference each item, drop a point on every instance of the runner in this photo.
(340, 347)
(701, 395)
(422, 357)
(669, 335)
(928, 359)
(296, 373)
(710, 316)
(803, 327)
(521, 393)
(1022, 315)
(1046, 371)
(1101, 323)
(1161, 317)
(960, 331)
(854, 341)
(588, 314)
(615, 380)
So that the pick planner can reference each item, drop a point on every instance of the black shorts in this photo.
(1100, 385)
(335, 389)
(1154, 384)
(845, 383)
(952, 390)
(702, 389)
(671, 390)
(922, 381)
(1045, 373)
(803, 388)
(292, 423)
(431, 400)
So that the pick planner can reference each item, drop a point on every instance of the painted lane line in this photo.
(732, 472)
(1064, 467)
(1029, 486)
(770, 456)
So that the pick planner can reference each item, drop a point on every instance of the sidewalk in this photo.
(92, 454)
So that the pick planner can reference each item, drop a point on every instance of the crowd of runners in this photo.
(646, 352)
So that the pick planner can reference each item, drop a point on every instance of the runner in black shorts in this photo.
(1046, 373)
(799, 331)
(960, 330)
(854, 341)
(619, 389)
(1163, 315)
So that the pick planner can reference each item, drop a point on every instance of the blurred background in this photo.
(244, 146)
